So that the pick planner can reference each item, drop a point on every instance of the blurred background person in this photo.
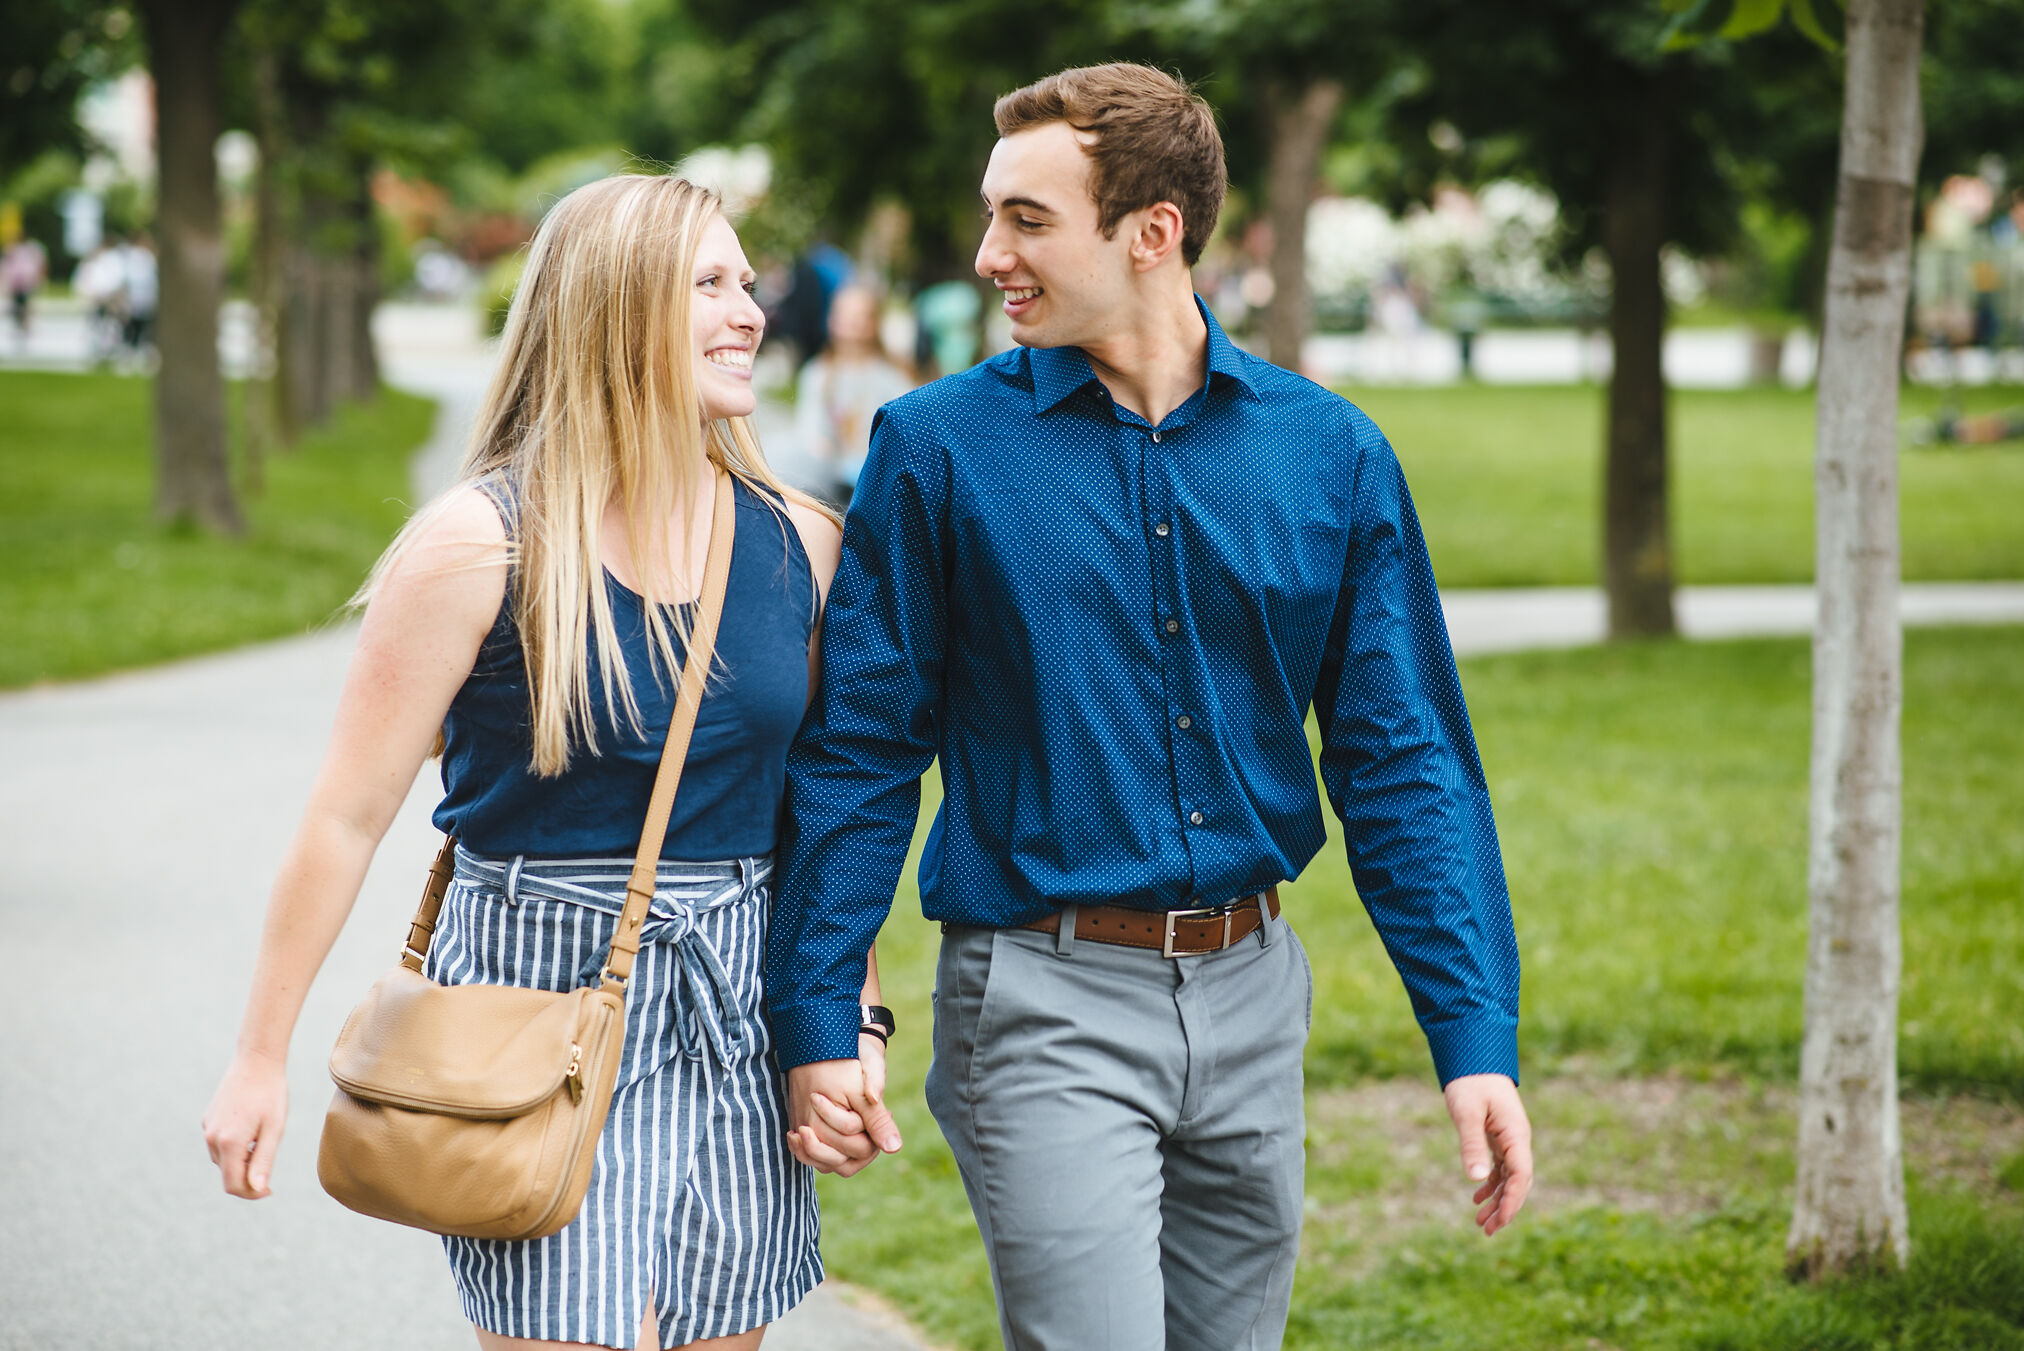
(948, 312)
(25, 266)
(100, 282)
(801, 315)
(142, 293)
(843, 387)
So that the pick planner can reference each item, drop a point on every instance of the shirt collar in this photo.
(1060, 371)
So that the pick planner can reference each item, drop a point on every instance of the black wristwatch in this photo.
(876, 1020)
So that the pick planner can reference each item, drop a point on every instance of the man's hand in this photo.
(837, 1120)
(1496, 1144)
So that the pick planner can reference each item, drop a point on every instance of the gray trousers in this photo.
(1131, 1133)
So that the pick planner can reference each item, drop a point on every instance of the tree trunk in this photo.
(364, 266)
(266, 424)
(1849, 1212)
(1637, 557)
(294, 325)
(335, 349)
(1299, 117)
(193, 474)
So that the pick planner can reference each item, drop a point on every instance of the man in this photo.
(1104, 576)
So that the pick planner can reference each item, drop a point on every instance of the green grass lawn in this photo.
(89, 582)
(1652, 805)
(1507, 481)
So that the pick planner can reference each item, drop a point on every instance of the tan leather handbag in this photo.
(476, 1109)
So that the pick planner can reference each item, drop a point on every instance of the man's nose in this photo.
(992, 257)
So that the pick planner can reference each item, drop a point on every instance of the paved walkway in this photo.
(141, 820)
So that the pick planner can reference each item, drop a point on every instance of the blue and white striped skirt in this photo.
(694, 1201)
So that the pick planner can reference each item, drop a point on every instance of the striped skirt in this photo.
(694, 1201)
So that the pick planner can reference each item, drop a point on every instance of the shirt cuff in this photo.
(1474, 1046)
(806, 1033)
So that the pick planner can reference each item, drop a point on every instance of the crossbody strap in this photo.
(639, 889)
(702, 650)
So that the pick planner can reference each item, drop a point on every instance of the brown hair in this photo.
(1152, 139)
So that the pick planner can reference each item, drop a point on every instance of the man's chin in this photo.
(1039, 335)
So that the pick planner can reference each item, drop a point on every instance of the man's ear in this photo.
(1156, 235)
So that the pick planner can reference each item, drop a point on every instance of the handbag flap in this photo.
(481, 1051)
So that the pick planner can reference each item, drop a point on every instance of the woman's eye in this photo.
(751, 288)
(710, 280)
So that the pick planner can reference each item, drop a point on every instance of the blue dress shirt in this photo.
(1111, 634)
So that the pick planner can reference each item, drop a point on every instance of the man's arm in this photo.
(1400, 767)
(853, 774)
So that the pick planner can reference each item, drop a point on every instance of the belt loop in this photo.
(748, 871)
(1064, 937)
(513, 879)
(1266, 919)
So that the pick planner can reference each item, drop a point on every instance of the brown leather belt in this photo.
(1171, 933)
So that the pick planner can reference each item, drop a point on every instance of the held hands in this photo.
(837, 1117)
(1496, 1144)
(243, 1125)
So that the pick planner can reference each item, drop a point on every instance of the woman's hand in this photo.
(838, 1121)
(871, 1055)
(243, 1125)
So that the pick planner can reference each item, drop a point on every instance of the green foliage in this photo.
(89, 582)
(891, 100)
(1972, 87)
(38, 188)
(55, 50)
(1567, 81)
(539, 79)
(495, 291)
(1694, 21)
(1506, 484)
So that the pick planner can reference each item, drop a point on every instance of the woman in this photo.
(534, 617)
(841, 389)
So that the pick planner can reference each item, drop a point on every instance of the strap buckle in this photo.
(1228, 913)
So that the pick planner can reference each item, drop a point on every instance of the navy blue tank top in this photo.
(728, 805)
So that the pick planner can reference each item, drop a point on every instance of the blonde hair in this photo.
(595, 402)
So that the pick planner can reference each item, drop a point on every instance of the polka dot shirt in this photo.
(1111, 635)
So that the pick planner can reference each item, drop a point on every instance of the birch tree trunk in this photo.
(1849, 1212)
(1299, 117)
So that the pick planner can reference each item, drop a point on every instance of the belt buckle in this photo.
(1199, 912)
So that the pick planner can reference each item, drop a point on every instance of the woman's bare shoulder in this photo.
(822, 540)
(465, 515)
(453, 560)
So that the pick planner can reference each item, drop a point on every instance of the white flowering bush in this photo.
(1498, 244)
(1350, 243)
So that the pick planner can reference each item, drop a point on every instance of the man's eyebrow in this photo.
(1029, 203)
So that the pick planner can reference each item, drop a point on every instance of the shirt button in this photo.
(1184, 722)
(1194, 818)
(1173, 626)
(1162, 530)
(1156, 438)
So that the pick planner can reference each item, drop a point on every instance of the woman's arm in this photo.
(417, 644)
